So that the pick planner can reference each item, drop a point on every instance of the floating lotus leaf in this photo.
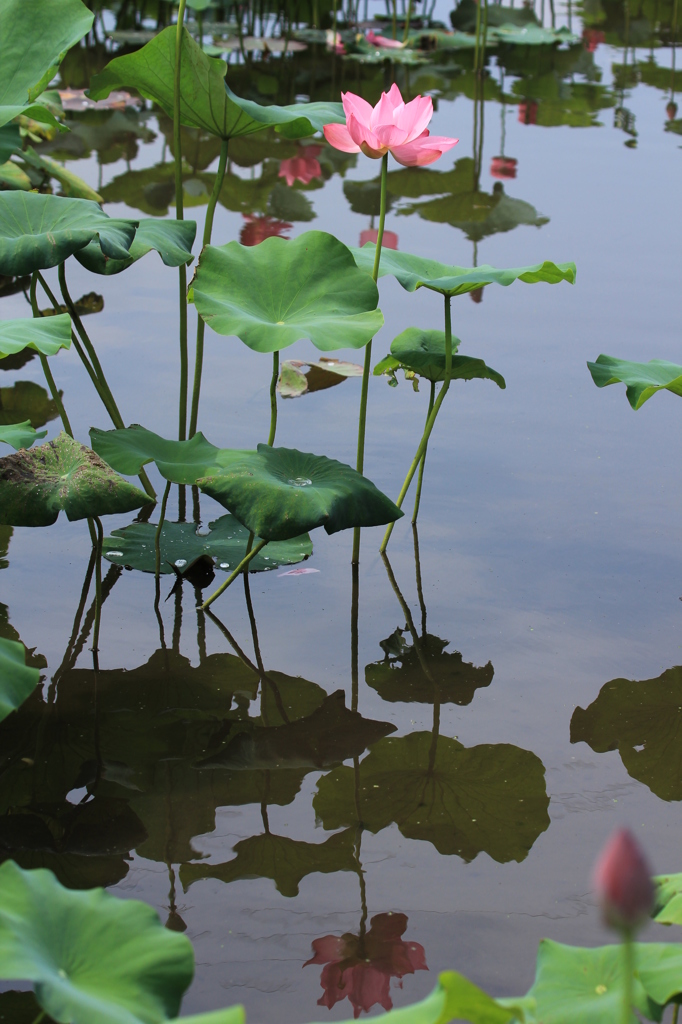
(63, 475)
(20, 435)
(17, 680)
(326, 373)
(295, 121)
(403, 679)
(91, 957)
(278, 493)
(423, 352)
(39, 231)
(26, 400)
(172, 239)
(642, 380)
(181, 546)
(668, 899)
(273, 294)
(34, 38)
(46, 335)
(182, 462)
(531, 35)
(489, 798)
(414, 272)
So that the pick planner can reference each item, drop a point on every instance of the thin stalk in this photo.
(407, 21)
(395, 19)
(98, 587)
(362, 423)
(478, 33)
(485, 34)
(418, 575)
(208, 228)
(56, 397)
(273, 398)
(628, 975)
(420, 478)
(354, 636)
(408, 619)
(41, 1016)
(159, 528)
(179, 215)
(676, 1013)
(76, 343)
(232, 577)
(429, 423)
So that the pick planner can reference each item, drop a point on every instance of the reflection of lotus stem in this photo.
(360, 463)
(420, 478)
(56, 397)
(208, 228)
(159, 528)
(408, 619)
(628, 973)
(354, 636)
(273, 398)
(418, 574)
(429, 423)
(232, 577)
(98, 591)
(179, 214)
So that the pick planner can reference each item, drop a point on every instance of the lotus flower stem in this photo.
(478, 33)
(56, 397)
(41, 1016)
(395, 19)
(159, 528)
(360, 463)
(676, 1013)
(233, 576)
(628, 975)
(273, 398)
(179, 215)
(429, 423)
(408, 19)
(201, 326)
(76, 343)
(420, 478)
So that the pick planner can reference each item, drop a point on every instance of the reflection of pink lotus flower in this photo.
(592, 37)
(258, 228)
(302, 167)
(391, 127)
(362, 969)
(383, 41)
(389, 241)
(334, 41)
(503, 167)
(528, 112)
(671, 110)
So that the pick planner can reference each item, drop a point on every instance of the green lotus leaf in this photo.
(414, 272)
(182, 462)
(93, 958)
(423, 353)
(17, 680)
(63, 475)
(172, 239)
(46, 336)
(13, 176)
(231, 1015)
(39, 231)
(295, 121)
(26, 400)
(34, 38)
(278, 493)
(642, 380)
(181, 546)
(402, 678)
(71, 184)
(20, 435)
(668, 899)
(273, 294)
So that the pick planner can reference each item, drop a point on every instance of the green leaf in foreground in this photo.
(172, 239)
(423, 353)
(279, 493)
(295, 121)
(63, 475)
(182, 546)
(93, 958)
(39, 231)
(642, 380)
(668, 899)
(46, 336)
(17, 680)
(414, 272)
(20, 435)
(273, 294)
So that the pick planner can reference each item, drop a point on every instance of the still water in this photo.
(452, 826)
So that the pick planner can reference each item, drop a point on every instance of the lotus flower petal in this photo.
(337, 135)
(424, 150)
(415, 117)
(353, 104)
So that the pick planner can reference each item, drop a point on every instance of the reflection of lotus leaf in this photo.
(17, 679)
(490, 798)
(402, 679)
(26, 400)
(643, 722)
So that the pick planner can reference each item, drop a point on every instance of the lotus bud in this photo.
(622, 878)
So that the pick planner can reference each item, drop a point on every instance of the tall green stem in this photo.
(478, 33)
(56, 397)
(420, 478)
(362, 423)
(407, 21)
(159, 528)
(233, 576)
(273, 398)
(628, 947)
(98, 585)
(179, 214)
(429, 423)
(208, 228)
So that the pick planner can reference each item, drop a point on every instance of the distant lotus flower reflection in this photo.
(259, 227)
(503, 167)
(360, 968)
(592, 37)
(303, 167)
(671, 110)
(389, 241)
(334, 41)
(528, 112)
(384, 42)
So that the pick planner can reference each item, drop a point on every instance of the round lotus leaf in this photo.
(45, 335)
(17, 679)
(93, 958)
(423, 352)
(172, 239)
(279, 493)
(40, 231)
(273, 294)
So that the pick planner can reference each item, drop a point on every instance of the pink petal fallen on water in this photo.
(297, 572)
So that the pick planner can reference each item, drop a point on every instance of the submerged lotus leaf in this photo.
(92, 957)
(181, 546)
(17, 680)
(182, 462)
(34, 37)
(46, 335)
(642, 380)
(402, 678)
(326, 373)
(423, 353)
(273, 294)
(295, 121)
(39, 231)
(20, 435)
(490, 798)
(414, 272)
(279, 493)
(63, 475)
(172, 239)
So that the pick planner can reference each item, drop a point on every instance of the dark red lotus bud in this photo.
(622, 879)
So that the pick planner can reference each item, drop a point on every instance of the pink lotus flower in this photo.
(302, 167)
(258, 228)
(360, 969)
(391, 127)
(384, 42)
(389, 241)
(622, 879)
(503, 167)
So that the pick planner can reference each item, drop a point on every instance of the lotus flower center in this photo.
(300, 481)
